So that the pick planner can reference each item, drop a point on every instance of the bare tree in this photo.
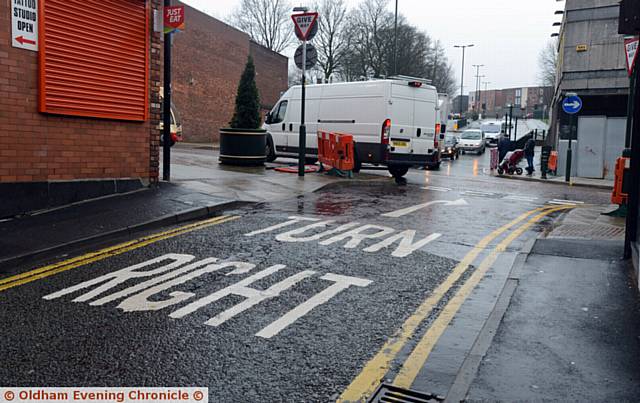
(441, 71)
(367, 24)
(548, 63)
(267, 22)
(331, 41)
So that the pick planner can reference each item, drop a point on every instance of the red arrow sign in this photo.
(23, 40)
(631, 51)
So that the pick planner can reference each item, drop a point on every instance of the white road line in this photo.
(341, 283)
(437, 188)
(413, 209)
(560, 201)
(521, 198)
(476, 193)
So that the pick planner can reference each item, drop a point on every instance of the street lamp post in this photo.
(486, 85)
(464, 47)
(477, 104)
(395, 43)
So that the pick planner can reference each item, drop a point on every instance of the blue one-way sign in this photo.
(572, 104)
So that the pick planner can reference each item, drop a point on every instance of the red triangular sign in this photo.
(304, 24)
(631, 51)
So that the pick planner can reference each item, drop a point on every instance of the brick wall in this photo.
(35, 147)
(271, 74)
(208, 60)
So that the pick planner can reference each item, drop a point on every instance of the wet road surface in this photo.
(292, 300)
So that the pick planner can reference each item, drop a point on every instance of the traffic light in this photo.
(629, 23)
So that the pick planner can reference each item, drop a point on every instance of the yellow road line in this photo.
(365, 383)
(92, 257)
(419, 355)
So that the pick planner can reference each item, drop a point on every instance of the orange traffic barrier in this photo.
(336, 150)
(553, 162)
(325, 153)
(618, 196)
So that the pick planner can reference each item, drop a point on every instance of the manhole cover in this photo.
(584, 231)
(391, 394)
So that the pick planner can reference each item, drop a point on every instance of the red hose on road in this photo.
(294, 169)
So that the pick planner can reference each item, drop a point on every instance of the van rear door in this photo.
(402, 116)
(425, 121)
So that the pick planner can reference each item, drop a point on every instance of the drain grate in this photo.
(584, 231)
(392, 394)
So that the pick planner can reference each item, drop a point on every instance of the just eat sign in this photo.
(173, 19)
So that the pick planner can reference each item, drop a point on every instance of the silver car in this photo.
(472, 141)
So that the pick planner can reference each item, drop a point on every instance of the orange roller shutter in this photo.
(94, 58)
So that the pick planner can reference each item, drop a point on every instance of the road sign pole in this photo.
(571, 105)
(567, 176)
(302, 143)
(166, 135)
(631, 235)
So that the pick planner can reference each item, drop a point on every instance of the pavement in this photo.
(572, 330)
(200, 188)
(319, 290)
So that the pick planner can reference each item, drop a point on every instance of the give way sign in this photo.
(305, 24)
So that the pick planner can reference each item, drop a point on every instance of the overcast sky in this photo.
(508, 34)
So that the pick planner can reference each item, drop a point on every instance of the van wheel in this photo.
(270, 150)
(398, 171)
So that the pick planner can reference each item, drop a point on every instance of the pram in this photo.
(510, 163)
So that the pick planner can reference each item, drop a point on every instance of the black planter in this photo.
(242, 146)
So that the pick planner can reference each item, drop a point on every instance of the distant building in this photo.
(591, 63)
(208, 59)
(455, 104)
(527, 101)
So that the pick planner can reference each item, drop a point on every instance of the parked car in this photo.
(450, 148)
(176, 127)
(393, 122)
(472, 140)
(492, 132)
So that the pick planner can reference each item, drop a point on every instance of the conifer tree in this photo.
(247, 113)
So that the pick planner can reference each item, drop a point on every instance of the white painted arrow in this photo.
(412, 209)
(574, 104)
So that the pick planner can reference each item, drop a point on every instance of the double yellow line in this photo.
(50, 270)
(374, 371)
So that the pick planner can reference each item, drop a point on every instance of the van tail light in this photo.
(435, 136)
(386, 131)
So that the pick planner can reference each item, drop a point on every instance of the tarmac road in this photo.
(284, 301)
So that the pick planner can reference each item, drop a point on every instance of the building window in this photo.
(98, 68)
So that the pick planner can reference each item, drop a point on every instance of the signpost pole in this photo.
(166, 135)
(571, 105)
(631, 235)
(567, 174)
(302, 143)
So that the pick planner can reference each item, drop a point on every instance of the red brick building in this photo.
(80, 113)
(78, 119)
(208, 60)
(526, 100)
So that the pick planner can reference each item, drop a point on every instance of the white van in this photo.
(393, 122)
